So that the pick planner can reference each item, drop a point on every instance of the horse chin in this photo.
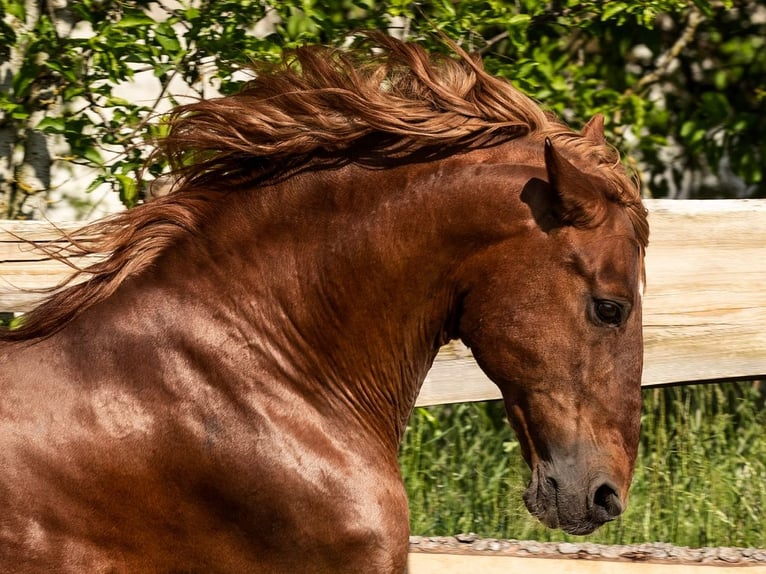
(548, 513)
(581, 529)
(543, 502)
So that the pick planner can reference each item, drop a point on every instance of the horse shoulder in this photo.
(204, 482)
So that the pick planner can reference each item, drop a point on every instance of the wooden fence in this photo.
(704, 315)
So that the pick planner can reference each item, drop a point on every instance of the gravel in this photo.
(470, 543)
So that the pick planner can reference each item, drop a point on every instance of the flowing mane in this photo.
(382, 103)
(320, 105)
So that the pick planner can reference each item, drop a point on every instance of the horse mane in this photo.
(390, 100)
(384, 102)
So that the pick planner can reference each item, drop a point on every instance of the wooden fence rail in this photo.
(704, 319)
(704, 307)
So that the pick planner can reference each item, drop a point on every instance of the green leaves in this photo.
(133, 20)
(52, 125)
(696, 92)
(166, 38)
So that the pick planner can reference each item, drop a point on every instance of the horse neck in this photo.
(341, 283)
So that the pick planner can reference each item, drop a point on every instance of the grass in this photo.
(700, 477)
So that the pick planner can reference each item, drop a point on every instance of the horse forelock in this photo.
(621, 186)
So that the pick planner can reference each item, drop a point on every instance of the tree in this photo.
(681, 83)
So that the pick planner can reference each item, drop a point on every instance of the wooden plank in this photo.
(15, 231)
(706, 303)
(23, 268)
(426, 563)
(704, 308)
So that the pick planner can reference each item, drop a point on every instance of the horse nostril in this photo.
(605, 498)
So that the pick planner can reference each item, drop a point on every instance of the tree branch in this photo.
(664, 61)
(492, 41)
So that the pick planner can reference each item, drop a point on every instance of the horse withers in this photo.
(226, 387)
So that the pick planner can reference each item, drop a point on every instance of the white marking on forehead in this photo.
(121, 414)
(641, 288)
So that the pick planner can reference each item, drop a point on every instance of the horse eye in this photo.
(609, 312)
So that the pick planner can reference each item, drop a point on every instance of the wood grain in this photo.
(466, 564)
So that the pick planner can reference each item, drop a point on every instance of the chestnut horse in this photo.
(226, 387)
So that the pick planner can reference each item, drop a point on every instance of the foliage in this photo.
(681, 83)
(700, 478)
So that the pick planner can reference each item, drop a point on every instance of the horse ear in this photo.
(577, 199)
(594, 130)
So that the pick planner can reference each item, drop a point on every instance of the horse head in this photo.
(555, 322)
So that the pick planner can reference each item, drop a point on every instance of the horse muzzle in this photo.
(576, 505)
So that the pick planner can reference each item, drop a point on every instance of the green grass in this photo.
(700, 477)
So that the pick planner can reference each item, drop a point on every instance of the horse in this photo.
(225, 385)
